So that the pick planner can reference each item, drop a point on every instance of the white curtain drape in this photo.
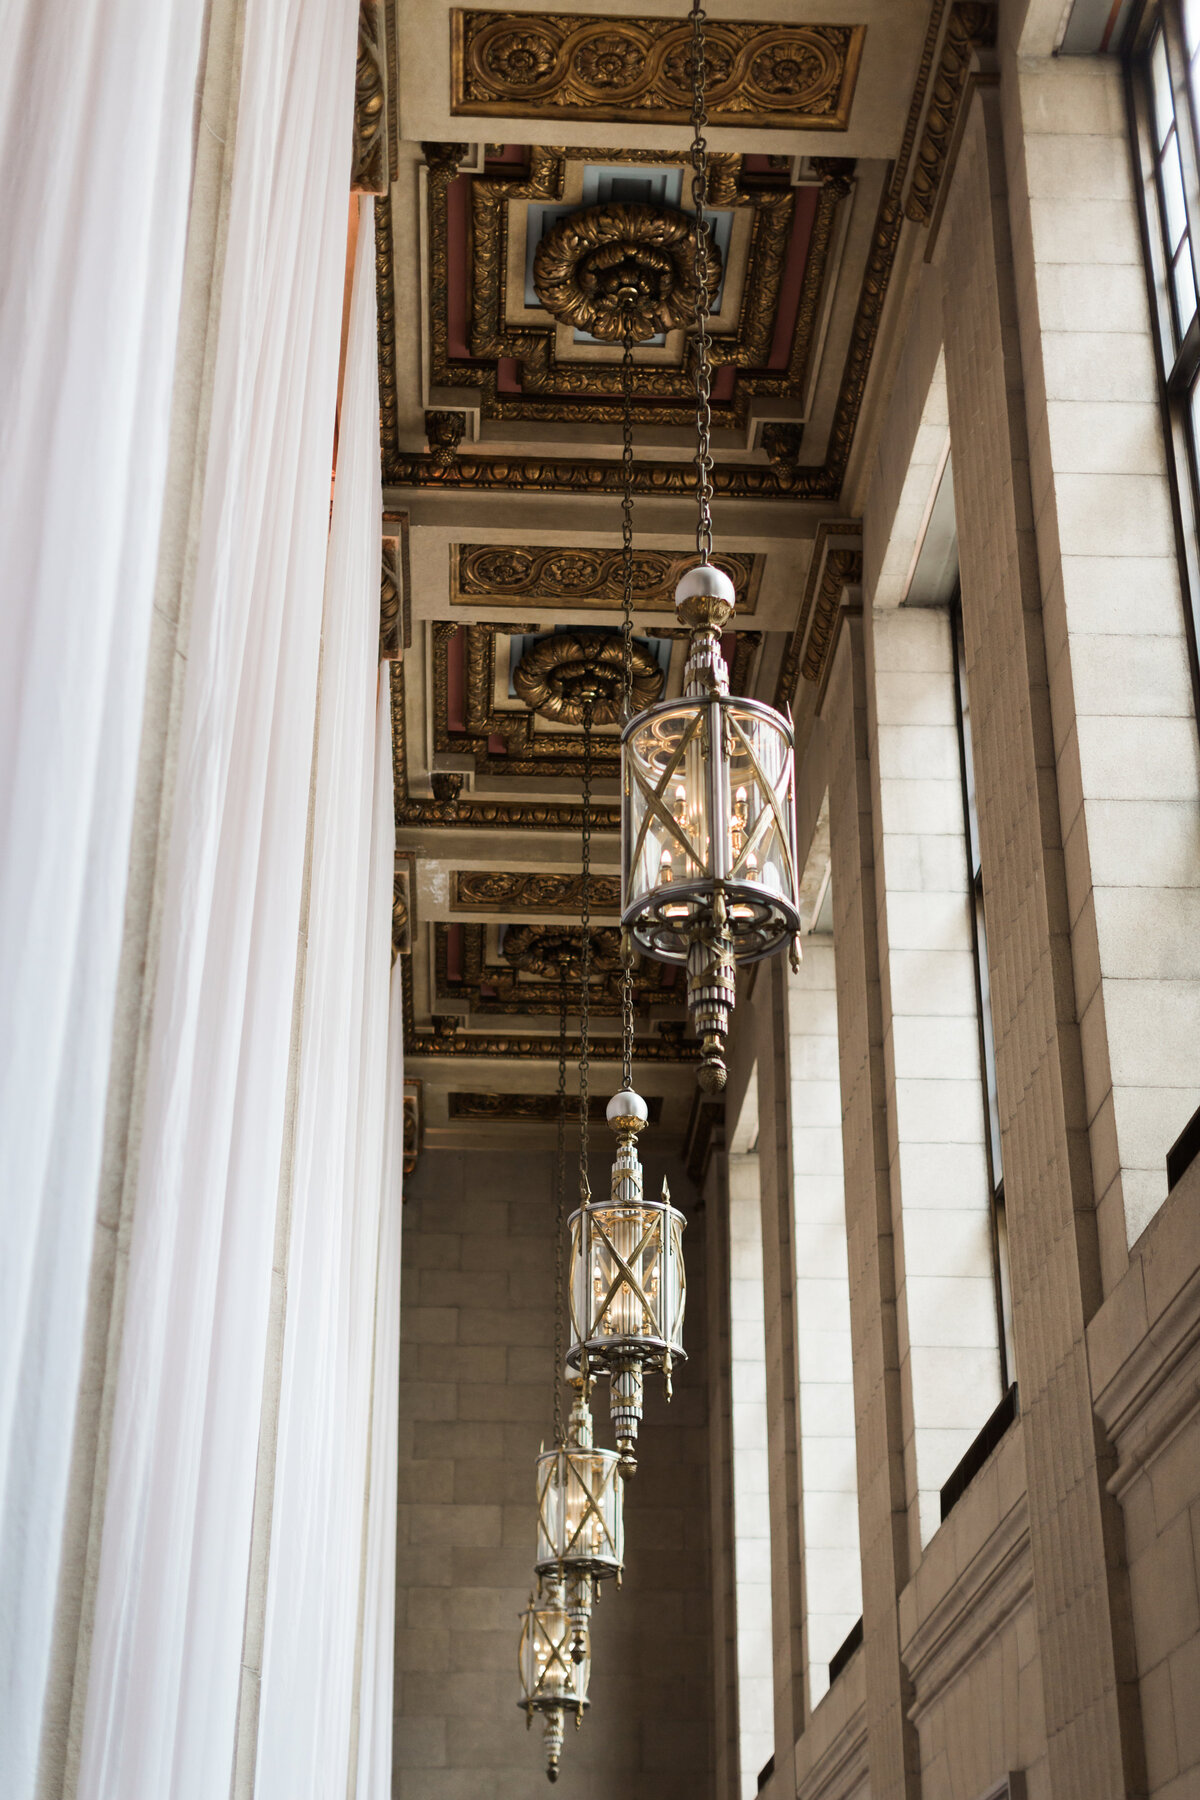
(376, 1689)
(171, 1598)
(314, 1583)
(93, 216)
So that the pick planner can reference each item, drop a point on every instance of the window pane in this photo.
(1184, 280)
(1172, 192)
(1160, 85)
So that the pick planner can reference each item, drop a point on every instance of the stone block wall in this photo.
(476, 1405)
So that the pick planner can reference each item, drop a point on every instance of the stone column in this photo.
(778, 1257)
(891, 1739)
(1090, 1701)
(828, 1461)
(1122, 705)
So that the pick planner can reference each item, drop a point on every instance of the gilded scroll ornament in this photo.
(390, 594)
(608, 269)
(799, 77)
(567, 674)
(586, 578)
(502, 891)
(369, 169)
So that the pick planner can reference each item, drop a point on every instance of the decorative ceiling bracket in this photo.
(369, 169)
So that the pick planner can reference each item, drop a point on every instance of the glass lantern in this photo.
(553, 1682)
(708, 824)
(581, 1521)
(627, 1283)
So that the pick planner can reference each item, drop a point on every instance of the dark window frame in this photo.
(1176, 350)
(1001, 1277)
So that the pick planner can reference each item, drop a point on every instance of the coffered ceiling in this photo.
(527, 150)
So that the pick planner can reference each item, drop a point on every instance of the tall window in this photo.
(1165, 102)
(991, 1100)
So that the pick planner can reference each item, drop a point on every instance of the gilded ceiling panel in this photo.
(513, 575)
(571, 66)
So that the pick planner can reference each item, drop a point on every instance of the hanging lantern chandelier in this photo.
(627, 1287)
(553, 1682)
(580, 1533)
(708, 827)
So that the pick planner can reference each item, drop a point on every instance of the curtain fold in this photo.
(373, 1778)
(93, 219)
(315, 1573)
(171, 1597)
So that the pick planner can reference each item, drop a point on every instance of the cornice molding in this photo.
(971, 27)
(994, 1584)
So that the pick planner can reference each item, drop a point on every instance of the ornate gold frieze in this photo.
(499, 891)
(613, 269)
(539, 65)
(568, 676)
(828, 573)
(369, 167)
(515, 574)
(533, 1109)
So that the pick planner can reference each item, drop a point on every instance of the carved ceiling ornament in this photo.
(608, 269)
(588, 391)
(526, 749)
(584, 578)
(502, 891)
(563, 675)
(552, 952)
(493, 984)
(547, 475)
(535, 65)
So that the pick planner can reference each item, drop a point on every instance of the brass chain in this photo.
(703, 342)
(627, 666)
(585, 953)
(560, 1216)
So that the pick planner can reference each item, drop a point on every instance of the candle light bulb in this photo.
(740, 796)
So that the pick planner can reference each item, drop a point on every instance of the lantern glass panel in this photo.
(668, 813)
(549, 1677)
(761, 805)
(580, 1519)
(627, 1278)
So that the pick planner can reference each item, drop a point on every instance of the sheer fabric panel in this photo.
(321, 1471)
(166, 1653)
(92, 224)
(377, 1691)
